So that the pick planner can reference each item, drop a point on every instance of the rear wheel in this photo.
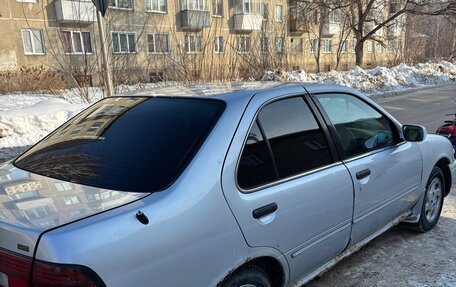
(433, 201)
(248, 276)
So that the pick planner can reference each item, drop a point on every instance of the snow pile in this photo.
(377, 80)
(25, 119)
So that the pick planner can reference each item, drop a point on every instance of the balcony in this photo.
(298, 22)
(69, 11)
(298, 25)
(195, 19)
(247, 22)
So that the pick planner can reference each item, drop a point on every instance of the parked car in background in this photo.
(247, 184)
(448, 130)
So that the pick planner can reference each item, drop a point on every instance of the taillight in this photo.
(48, 274)
(15, 272)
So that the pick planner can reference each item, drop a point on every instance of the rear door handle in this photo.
(265, 210)
(362, 174)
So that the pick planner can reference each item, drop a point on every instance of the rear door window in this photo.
(294, 144)
(138, 144)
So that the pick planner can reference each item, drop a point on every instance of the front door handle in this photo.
(362, 174)
(265, 210)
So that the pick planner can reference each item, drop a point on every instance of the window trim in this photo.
(155, 44)
(31, 35)
(82, 43)
(324, 41)
(314, 46)
(335, 137)
(244, 39)
(155, 11)
(128, 48)
(122, 8)
(321, 123)
(213, 12)
(281, 13)
(197, 51)
(217, 38)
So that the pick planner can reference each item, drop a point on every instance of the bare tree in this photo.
(367, 19)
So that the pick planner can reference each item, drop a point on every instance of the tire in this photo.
(432, 202)
(248, 276)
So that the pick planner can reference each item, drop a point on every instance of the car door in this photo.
(284, 186)
(385, 169)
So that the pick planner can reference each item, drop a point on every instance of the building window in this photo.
(77, 42)
(124, 42)
(217, 8)
(193, 44)
(264, 45)
(155, 6)
(244, 6)
(63, 186)
(296, 45)
(313, 45)
(344, 47)
(379, 48)
(196, 5)
(370, 46)
(354, 44)
(278, 13)
(93, 128)
(327, 46)
(334, 16)
(279, 45)
(33, 41)
(243, 44)
(219, 45)
(390, 48)
(121, 4)
(265, 11)
(71, 200)
(158, 43)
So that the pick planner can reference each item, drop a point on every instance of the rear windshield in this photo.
(137, 144)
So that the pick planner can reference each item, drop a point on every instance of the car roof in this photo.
(230, 91)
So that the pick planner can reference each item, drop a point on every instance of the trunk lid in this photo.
(31, 204)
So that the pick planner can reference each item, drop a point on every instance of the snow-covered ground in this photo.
(26, 118)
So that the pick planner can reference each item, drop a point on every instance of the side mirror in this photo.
(413, 133)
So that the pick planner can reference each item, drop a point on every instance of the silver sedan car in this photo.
(257, 184)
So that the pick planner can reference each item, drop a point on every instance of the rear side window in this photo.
(294, 144)
(359, 126)
(137, 144)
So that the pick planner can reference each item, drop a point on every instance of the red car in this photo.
(449, 130)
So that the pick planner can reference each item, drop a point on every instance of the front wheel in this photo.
(248, 276)
(433, 201)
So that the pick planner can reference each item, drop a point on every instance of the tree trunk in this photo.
(359, 52)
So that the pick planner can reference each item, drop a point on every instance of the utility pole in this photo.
(102, 8)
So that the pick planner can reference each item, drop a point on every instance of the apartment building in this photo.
(150, 40)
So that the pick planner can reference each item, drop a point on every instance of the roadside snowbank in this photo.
(25, 119)
(377, 80)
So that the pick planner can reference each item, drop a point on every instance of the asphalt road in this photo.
(425, 107)
(399, 257)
